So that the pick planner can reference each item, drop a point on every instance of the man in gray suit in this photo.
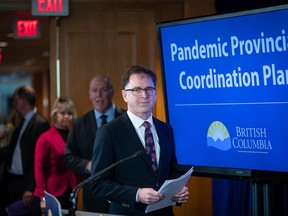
(18, 180)
(132, 185)
(78, 152)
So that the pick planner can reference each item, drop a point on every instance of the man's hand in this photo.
(27, 198)
(149, 196)
(182, 196)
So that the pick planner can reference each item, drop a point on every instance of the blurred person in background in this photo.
(14, 118)
(78, 152)
(18, 181)
(6, 128)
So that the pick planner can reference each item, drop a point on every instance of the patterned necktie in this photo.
(149, 145)
(103, 119)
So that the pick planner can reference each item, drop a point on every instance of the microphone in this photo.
(74, 194)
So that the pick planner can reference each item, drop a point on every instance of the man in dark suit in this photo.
(132, 185)
(18, 180)
(78, 151)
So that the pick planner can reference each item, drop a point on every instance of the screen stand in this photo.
(267, 199)
(261, 192)
(255, 199)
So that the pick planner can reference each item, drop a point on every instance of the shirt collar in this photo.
(110, 113)
(137, 121)
(29, 115)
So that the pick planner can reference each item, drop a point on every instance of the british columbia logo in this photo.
(244, 140)
(218, 136)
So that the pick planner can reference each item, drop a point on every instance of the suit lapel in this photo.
(131, 133)
(162, 137)
(134, 139)
(89, 133)
(92, 120)
(28, 129)
(13, 143)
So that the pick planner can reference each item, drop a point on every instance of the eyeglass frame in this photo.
(137, 91)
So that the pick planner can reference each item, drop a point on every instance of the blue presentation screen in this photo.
(226, 88)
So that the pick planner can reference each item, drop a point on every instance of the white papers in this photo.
(169, 189)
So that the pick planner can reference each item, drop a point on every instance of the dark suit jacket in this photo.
(78, 153)
(117, 140)
(36, 126)
(79, 146)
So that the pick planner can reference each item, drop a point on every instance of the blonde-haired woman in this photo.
(51, 174)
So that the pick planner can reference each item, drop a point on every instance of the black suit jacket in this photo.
(117, 140)
(36, 126)
(79, 145)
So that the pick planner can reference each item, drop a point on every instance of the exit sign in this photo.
(50, 7)
(26, 29)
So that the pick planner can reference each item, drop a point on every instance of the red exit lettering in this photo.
(1, 57)
(50, 5)
(27, 28)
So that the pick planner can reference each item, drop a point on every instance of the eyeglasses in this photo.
(138, 91)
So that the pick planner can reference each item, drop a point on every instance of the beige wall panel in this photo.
(97, 48)
(40, 83)
(200, 199)
(94, 48)
(195, 8)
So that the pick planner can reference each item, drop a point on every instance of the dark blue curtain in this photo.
(231, 197)
(236, 198)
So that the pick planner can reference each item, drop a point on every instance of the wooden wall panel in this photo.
(40, 83)
(200, 199)
(90, 47)
(135, 41)
(195, 8)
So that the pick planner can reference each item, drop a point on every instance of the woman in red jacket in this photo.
(51, 174)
